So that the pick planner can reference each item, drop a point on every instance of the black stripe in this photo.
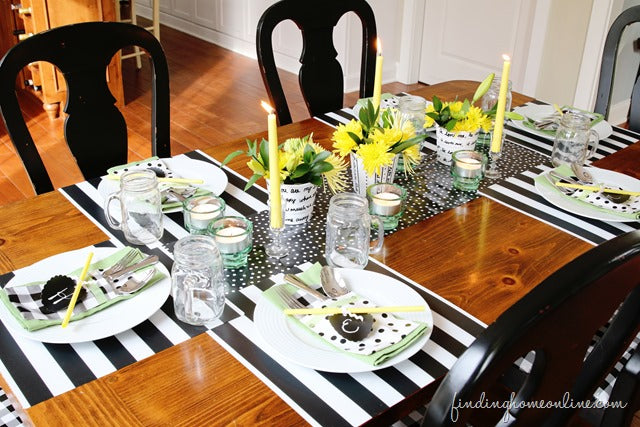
(228, 314)
(289, 384)
(152, 336)
(71, 363)
(551, 219)
(361, 395)
(236, 204)
(445, 341)
(626, 132)
(332, 122)
(117, 354)
(429, 364)
(243, 303)
(176, 217)
(343, 113)
(21, 370)
(397, 380)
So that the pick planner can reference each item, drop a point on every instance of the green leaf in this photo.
(322, 167)
(437, 104)
(231, 156)
(301, 170)
(465, 108)
(316, 180)
(308, 154)
(450, 124)
(433, 115)
(355, 137)
(264, 152)
(483, 87)
(399, 148)
(252, 180)
(323, 155)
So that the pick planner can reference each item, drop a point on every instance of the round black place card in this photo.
(354, 327)
(57, 293)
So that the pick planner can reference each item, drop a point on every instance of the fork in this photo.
(120, 264)
(289, 301)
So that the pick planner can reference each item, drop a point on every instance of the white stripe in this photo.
(339, 118)
(380, 388)
(316, 383)
(415, 373)
(325, 122)
(174, 228)
(440, 354)
(95, 359)
(245, 198)
(454, 330)
(168, 327)
(134, 344)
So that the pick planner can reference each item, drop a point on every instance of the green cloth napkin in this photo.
(27, 296)
(592, 200)
(312, 275)
(158, 165)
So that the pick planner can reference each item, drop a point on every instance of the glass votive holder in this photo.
(200, 211)
(413, 109)
(387, 201)
(467, 169)
(234, 237)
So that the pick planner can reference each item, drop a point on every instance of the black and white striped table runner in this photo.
(37, 371)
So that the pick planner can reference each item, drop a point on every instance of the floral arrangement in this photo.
(377, 137)
(461, 116)
(301, 161)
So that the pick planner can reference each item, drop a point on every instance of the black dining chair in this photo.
(608, 68)
(320, 76)
(94, 128)
(557, 320)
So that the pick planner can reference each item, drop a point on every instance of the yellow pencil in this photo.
(173, 180)
(76, 291)
(596, 188)
(355, 310)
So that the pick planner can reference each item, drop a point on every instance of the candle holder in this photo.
(234, 239)
(388, 202)
(277, 249)
(467, 168)
(200, 211)
(493, 172)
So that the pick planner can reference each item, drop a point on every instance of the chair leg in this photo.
(134, 21)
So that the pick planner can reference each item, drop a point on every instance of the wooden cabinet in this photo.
(43, 79)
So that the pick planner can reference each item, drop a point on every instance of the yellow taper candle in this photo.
(377, 82)
(496, 141)
(274, 169)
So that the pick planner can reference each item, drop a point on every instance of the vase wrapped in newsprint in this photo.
(362, 180)
(448, 142)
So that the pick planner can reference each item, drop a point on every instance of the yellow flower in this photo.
(342, 141)
(411, 157)
(374, 155)
(474, 120)
(428, 121)
(256, 167)
(336, 179)
(388, 136)
(455, 109)
(408, 130)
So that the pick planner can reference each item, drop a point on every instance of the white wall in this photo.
(232, 24)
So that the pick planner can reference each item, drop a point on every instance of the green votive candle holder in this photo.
(387, 201)
(234, 238)
(200, 211)
(467, 169)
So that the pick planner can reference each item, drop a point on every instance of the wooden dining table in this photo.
(481, 256)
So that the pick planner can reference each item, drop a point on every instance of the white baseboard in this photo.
(618, 112)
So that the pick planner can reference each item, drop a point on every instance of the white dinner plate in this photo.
(290, 341)
(536, 112)
(215, 180)
(603, 176)
(114, 319)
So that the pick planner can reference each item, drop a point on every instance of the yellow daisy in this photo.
(374, 155)
(342, 141)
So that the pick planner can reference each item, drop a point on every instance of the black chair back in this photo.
(94, 128)
(557, 320)
(608, 67)
(321, 76)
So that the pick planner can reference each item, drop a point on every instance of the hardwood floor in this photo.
(215, 97)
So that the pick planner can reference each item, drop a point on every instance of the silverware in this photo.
(613, 197)
(298, 283)
(286, 298)
(133, 284)
(121, 263)
(114, 281)
(332, 283)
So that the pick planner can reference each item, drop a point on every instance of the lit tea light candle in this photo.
(200, 211)
(232, 239)
(469, 167)
(386, 204)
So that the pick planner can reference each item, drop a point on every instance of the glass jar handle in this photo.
(593, 136)
(376, 245)
(110, 219)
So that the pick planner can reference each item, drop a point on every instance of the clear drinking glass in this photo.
(140, 207)
(348, 241)
(413, 109)
(573, 138)
(197, 280)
